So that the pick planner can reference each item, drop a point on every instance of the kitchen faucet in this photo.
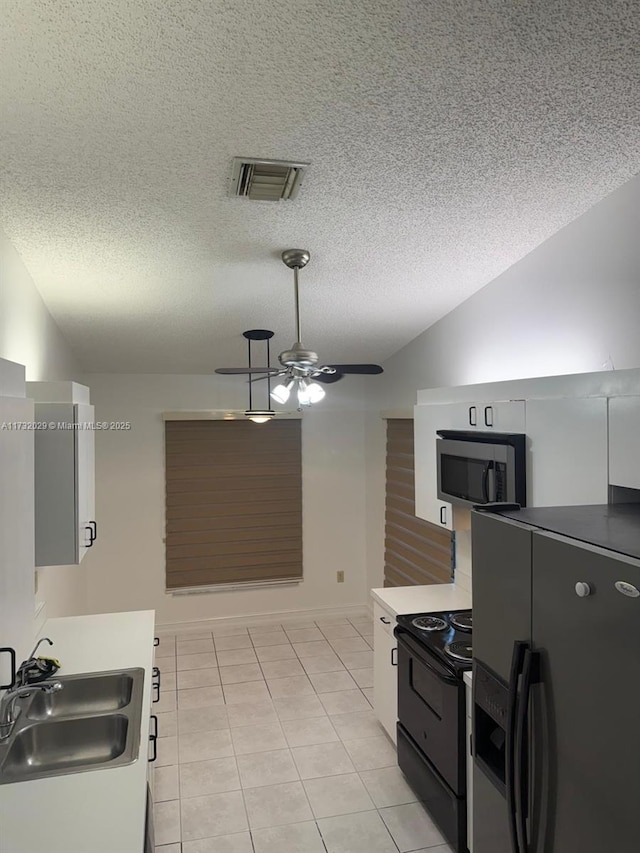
(8, 712)
(33, 669)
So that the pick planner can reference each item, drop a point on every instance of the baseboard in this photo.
(256, 619)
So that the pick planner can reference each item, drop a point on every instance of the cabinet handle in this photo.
(12, 658)
(91, 536)
(487, 422)
(94, 525)
(443, 515)
(156, 684)
(394, 662)
(473, 416)
(385, 621)
(154, 738)
(156, 641)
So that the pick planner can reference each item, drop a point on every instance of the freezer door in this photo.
(585, 732)
(501, 555)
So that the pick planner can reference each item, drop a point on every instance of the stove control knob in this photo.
(583, 589)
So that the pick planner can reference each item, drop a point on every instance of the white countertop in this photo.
(99, 811)
(431, 598)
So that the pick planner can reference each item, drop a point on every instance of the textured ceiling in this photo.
(447, 139)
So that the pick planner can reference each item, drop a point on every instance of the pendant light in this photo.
(259, 416)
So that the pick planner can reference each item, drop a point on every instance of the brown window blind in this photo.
(233, 502)
(415, 551)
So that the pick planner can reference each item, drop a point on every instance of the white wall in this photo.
(570, 306)
(28, 333)
(29, 336)
(126, 566)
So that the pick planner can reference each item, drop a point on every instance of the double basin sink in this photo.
(92, 723)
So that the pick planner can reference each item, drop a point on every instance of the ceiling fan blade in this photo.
(327, 378)
(235, 370)
(268, 376)
(368, 369)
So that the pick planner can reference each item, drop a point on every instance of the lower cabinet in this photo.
(153, 723)
(385, 670)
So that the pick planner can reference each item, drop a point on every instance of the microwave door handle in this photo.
(485, 483)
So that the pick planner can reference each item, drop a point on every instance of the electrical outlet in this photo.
(340, 577)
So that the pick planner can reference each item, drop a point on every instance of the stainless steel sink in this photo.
(92, 723)
(64, 746)
(83, 694)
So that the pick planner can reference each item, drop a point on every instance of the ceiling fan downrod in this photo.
(297, 357)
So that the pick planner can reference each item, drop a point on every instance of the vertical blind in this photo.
(416, 552)
(233, 502)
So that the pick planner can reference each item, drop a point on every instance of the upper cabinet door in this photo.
(624, 442)
(427, 420)
(567, 439)
(65, 523)
(501, 416)
(16, 530)
(85, 486)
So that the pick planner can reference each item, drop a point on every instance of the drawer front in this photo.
(383, 618)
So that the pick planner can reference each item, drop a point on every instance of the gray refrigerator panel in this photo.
(490, 824)
(585, 721)
(501, 550)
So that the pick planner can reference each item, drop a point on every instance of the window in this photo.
(233, 502)
(415, 551)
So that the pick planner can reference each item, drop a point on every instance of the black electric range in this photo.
(446, 635)
(434, 652)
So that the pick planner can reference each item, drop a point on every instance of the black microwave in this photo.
(481, 467)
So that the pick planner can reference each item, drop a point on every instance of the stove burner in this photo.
(429, 623)
(460, 650)
(462, 621)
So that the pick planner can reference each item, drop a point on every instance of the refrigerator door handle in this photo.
(517, 664)
(522, 764)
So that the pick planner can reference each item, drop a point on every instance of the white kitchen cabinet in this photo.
(488, 415)
(567, 451)
(426, 421)
(624, 442)
(385, 670)
(65, 525)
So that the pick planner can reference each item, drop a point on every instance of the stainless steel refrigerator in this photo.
(556, 680)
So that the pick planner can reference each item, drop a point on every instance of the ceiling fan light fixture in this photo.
(304, 396)
(315, 392)
(281, 392)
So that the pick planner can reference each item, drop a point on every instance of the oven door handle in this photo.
(421, 653)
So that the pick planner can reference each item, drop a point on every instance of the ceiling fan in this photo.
(300, 366)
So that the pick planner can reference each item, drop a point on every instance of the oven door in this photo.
(431, 709)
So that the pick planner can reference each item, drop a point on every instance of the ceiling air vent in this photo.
(265, 180)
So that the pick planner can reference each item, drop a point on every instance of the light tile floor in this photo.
(268, 744)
